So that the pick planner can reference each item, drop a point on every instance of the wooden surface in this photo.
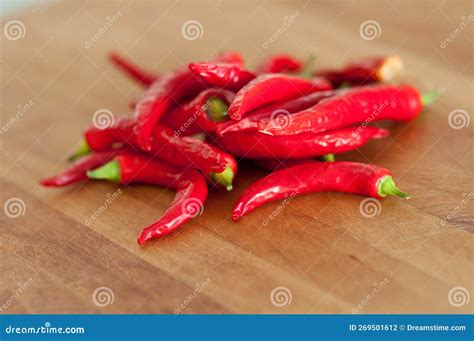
(328, 256)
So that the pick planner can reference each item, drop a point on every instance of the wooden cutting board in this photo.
(319, 254)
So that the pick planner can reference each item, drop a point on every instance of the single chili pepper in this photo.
(278, 109)
(190, 186)
(200, 114)
(271, 88)
(364, 71)
(277, 164)
(132, 70)
(224, 75)
(255, 145)
(345, 177)
(77, 171)
(365, 104)
(280, 63)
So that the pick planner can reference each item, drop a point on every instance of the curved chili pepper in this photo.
(132, 70)
(365, 104)
(224, 75)
(271, 88)
(280, 63)
(364, 71)
(254, 145)
(190, 186)
(345, 177)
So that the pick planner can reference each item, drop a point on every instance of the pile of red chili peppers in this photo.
(287, 117)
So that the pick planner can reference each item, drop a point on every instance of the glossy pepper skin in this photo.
(365, 71)
(224, 179)
(254, 145)
(135, 72)
(272, 88)
(223, 75)
(277, 164)
(179, 151)
(364, 104)
(345, 177)
(280, 63)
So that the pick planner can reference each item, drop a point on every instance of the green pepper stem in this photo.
(216, 109)
(80, 152)
(110, 171)
(224, 178)
(328, 158)
(387, 187)
(429, 97)
(307, 71)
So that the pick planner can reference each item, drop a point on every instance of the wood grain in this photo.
(319, 246)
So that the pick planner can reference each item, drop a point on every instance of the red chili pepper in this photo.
(277, 164)
(364, 71)
(346, 177)
(132, 70)
(225, 178)
(200, 114)
(77, 171)
(224, 75)
(190, 186)
(365, 104)
(280, 63)
(255, 145)
(271, 88)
